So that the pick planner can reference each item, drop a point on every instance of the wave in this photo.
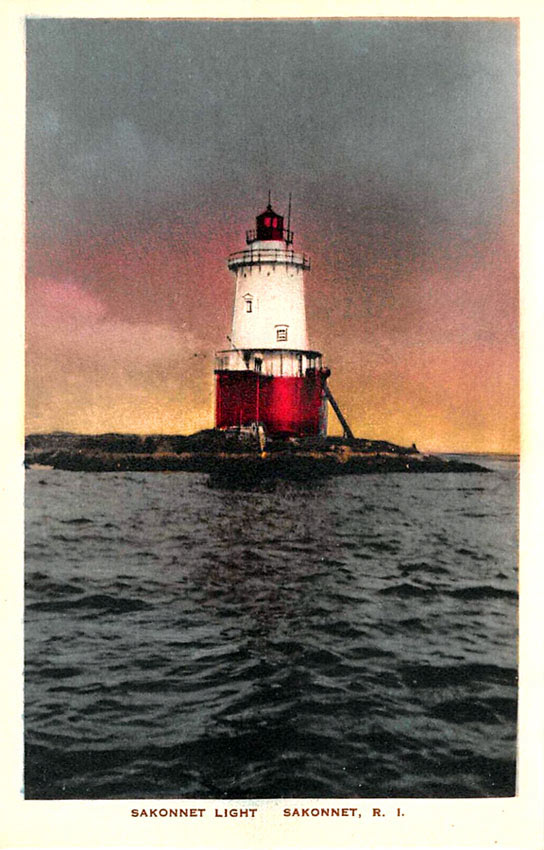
(95, 602)
(489, 711)
(430, 676)
(483, 592)
(77, 521)
(408, 591)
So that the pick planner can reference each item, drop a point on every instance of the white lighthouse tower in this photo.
(270, 375)
(269, 309)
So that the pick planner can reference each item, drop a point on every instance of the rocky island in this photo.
(230, 456)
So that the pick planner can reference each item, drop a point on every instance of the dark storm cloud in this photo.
(130, 117)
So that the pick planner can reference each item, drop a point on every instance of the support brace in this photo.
(348, 433)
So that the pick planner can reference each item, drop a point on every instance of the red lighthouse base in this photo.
(286, 406)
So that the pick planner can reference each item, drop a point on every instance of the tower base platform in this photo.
(287, 406)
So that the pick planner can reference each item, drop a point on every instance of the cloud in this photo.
(86, 370)
(67, 322)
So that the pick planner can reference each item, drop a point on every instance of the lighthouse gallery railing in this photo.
(270, 256)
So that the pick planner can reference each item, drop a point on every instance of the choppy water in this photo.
(351, 638)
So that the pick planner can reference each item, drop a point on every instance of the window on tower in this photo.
(249, 306)
(281, 334)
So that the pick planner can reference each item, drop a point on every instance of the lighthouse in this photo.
(270, 376)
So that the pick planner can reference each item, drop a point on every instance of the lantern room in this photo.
(269, 228)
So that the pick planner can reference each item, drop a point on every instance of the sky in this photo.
(151, 147)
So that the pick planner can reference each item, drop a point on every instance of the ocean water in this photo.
(355, 637)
